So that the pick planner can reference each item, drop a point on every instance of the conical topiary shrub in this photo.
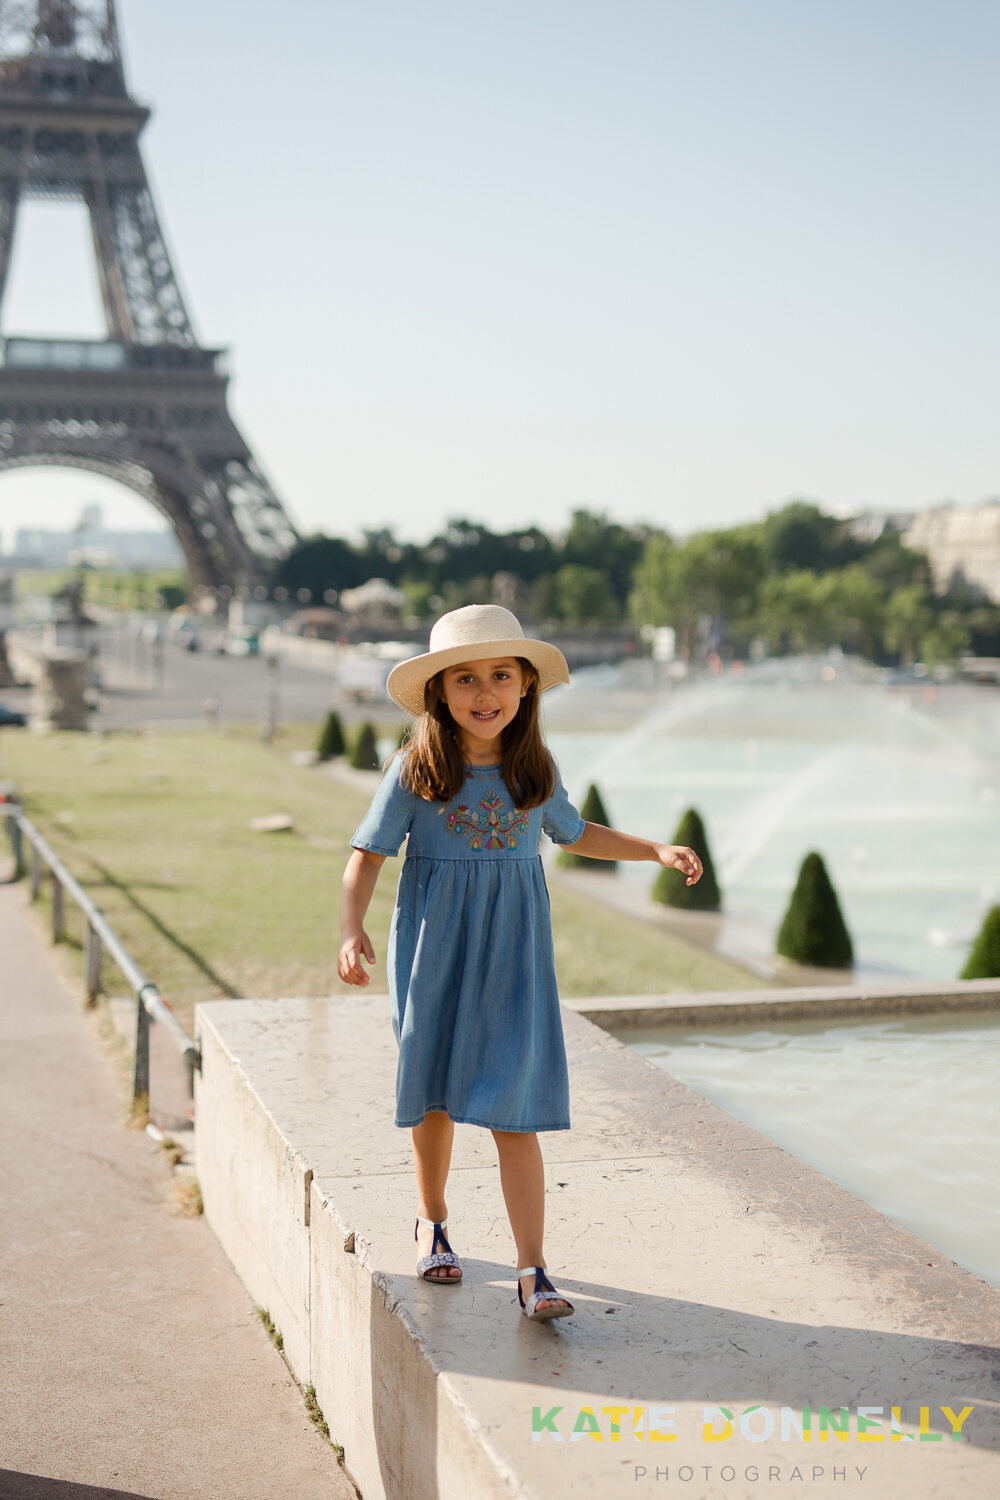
(592, 810)
(671, 887)
(364, 756)
(814, 931)
(984, 960)
(331, 737)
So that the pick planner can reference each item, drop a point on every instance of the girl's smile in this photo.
(482, 698)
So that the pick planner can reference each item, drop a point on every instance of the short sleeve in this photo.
(560, 819)
(387, 822)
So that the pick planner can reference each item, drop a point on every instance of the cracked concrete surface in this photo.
(708, 1268)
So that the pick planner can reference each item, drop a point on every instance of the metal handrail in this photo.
(101, 937)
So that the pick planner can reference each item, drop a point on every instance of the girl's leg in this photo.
(522, 1177)
(432, 1140)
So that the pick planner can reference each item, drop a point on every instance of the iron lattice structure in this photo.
(146, 406)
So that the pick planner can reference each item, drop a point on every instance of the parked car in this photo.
(241, 643)
(11, 720)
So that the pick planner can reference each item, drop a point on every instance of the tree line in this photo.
(584, 575)
(799, 580)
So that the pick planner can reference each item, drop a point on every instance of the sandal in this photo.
(543, 1289)
(445, 1257)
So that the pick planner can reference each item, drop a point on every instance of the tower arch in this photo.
(147, 405)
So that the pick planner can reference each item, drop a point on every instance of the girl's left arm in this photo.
(598, 842)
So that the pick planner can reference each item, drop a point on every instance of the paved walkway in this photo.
(132, 1362)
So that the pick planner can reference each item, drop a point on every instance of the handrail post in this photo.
(192, 1065)
(94, 954)
(101, 938)
(16, 837)
(140, 1075)
(58, 914)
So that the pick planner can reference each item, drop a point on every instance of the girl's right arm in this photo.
(356, 892)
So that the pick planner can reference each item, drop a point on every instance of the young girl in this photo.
(474, 1005)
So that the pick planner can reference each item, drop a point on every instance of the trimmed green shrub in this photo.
(592, 810)
(813, 930)
(331, 737)
(364, 756)
(984, 960)
(671, 887)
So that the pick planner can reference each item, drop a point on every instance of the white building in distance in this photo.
(90, 542)
(962, 544)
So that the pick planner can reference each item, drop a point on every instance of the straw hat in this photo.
(476, 633)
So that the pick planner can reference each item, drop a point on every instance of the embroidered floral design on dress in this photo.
(491, 826)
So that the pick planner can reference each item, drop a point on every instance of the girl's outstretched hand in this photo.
(680, 857)
(349, 959)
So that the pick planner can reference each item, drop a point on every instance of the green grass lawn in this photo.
(155, 826)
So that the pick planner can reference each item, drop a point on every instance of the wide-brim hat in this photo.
(476, 633)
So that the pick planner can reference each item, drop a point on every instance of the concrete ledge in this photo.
(708, 1267)
(730, 1007)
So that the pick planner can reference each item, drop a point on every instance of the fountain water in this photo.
(783, 761)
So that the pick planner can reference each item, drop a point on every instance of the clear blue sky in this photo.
(676, 261)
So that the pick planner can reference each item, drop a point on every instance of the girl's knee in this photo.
(436, 1123)
(512, 1140)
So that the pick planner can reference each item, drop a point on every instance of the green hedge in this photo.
(813, 930)
(592, 810)
(984, 960)
(331, 740)
(364, 756)
(670, 886)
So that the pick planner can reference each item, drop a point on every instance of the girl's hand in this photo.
(680, 857)
(352, 949)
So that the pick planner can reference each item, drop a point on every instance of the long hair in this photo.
(434, 768)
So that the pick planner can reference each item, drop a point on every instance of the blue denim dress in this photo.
(471, 973)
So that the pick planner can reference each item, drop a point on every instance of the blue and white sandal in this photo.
(445, 1257)
(543, 1289)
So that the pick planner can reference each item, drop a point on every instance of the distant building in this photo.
(869, 525)
(89, 542)
(962, 544)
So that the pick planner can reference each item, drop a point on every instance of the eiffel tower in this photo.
(146, 405)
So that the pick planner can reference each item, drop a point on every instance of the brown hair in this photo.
(434, 768)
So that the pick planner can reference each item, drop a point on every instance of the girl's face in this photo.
(482, 698)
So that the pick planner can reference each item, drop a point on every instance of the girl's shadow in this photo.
(632, 1348)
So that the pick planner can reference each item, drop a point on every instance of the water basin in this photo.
(902, 1112)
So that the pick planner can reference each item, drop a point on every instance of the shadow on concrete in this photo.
(628, 1348)
(18, 1486)
(445, 1379)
